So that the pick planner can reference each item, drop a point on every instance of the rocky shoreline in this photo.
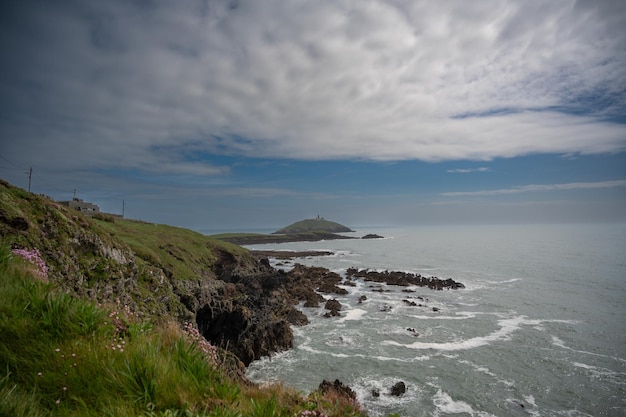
(257, 319)
(288, 255)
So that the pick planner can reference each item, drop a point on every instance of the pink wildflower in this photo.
(34, 257)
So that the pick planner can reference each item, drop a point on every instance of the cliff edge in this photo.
(162, 273)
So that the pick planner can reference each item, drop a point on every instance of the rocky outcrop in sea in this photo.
(403, 279)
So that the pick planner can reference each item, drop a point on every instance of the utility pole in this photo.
(123, 206)
(30, 175)
(74, 198)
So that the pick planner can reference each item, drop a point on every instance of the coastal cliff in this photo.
(161, 273)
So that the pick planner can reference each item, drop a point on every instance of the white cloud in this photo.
(540, 187)
(107, 84)
(468, 170)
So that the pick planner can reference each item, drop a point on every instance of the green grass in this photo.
(187, 254)
(63, 356)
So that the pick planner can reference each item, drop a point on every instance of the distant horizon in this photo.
(360, 228)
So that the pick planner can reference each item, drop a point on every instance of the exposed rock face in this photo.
(251, 315)
(338, 389)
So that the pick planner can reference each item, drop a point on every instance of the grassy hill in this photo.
(105, 317)
(313, 225)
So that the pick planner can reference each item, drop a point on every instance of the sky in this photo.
(240, 115)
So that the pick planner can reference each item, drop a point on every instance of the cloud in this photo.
(109, 84)
(468, 170)
(540, 187)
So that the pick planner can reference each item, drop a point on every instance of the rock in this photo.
(280, 254)
(375, 393)
(337, 388)
(331, 288)
(297, 318)
(311, 303)
(435, 309)
(410, 303)
(404, 279)
(372, 236)
(385, 308)
(362, 298)
(333, 305)
(398, 389)
(413, 331)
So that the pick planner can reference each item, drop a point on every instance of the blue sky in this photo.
(254, 114)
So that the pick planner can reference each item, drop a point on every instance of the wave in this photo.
(445, 404)
(507, 327)
(461, 315)
(560, 343)
(354, 314)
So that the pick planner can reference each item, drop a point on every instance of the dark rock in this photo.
(372, 236)
(398, 389)
(333, 305)
(318, 278)
(311, 303)
(404, 279)
(435, 309)
(375, 393)
(331, 288)
(412, 331)
(362, 298)
(283, 254)
(249, 333)
(410, 303)
(337, 388)
(384, 308)
(297, 318)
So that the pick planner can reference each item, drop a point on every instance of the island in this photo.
(307, 230)
(319, 224)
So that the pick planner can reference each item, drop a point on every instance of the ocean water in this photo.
(539, 330)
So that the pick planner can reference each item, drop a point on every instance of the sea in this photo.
(538, 330)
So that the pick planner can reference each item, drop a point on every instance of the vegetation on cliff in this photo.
(106, 316)
(64, 356)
